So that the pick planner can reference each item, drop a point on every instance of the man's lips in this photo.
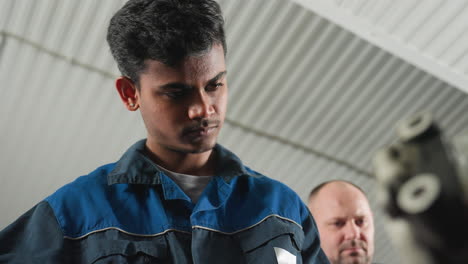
(353, 252)
(354, 249)
(204, 127)
(201, 131)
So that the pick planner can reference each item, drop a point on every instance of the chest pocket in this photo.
(112, 246)
(273, 241)
(134, 252)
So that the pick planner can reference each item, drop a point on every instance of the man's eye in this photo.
(359, 222)
(338, 223)
(175, 94)
(213, 87)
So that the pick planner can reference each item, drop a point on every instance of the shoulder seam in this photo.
(56, 217)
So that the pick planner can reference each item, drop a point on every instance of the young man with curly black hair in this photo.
(176, 196)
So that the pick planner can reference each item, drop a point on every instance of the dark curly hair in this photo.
(164, 30)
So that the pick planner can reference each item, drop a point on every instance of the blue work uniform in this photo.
(131, 212)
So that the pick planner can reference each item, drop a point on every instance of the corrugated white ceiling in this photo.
(430, 34)
(309, 100)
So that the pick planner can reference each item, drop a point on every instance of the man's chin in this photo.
(358, 259)
(201, 149)
(195, 148)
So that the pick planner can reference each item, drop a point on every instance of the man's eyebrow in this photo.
(334, 219)
(175, 85)
(217, 77)
(183, 86)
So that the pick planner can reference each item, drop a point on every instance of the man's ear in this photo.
(128, 93)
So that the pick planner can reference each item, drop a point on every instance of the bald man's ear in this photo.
(128, 93)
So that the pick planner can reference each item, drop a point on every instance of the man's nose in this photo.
(201, 106)
(352, 231)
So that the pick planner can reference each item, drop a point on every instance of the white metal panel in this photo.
(429, 34)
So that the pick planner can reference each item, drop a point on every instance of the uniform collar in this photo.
(135, 167)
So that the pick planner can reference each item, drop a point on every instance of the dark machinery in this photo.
(424, 192)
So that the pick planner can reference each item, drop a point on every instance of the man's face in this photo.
(345, 223)
(183, 107)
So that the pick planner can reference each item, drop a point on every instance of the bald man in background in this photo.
(345, 222)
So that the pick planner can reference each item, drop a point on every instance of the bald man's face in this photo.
(345, 223)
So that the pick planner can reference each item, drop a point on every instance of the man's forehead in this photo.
(340, 191)
(344, 207)
(183, 85)
(333, 202)
(205, 67)
(346, 213)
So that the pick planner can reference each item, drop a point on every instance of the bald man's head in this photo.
(345, 222)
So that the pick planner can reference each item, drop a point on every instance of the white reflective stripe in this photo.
(284, 257)
(244, 229)
(125, 232)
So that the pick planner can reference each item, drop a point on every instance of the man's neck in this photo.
(202, 164)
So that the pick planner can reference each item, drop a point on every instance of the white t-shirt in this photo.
(192, 185)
